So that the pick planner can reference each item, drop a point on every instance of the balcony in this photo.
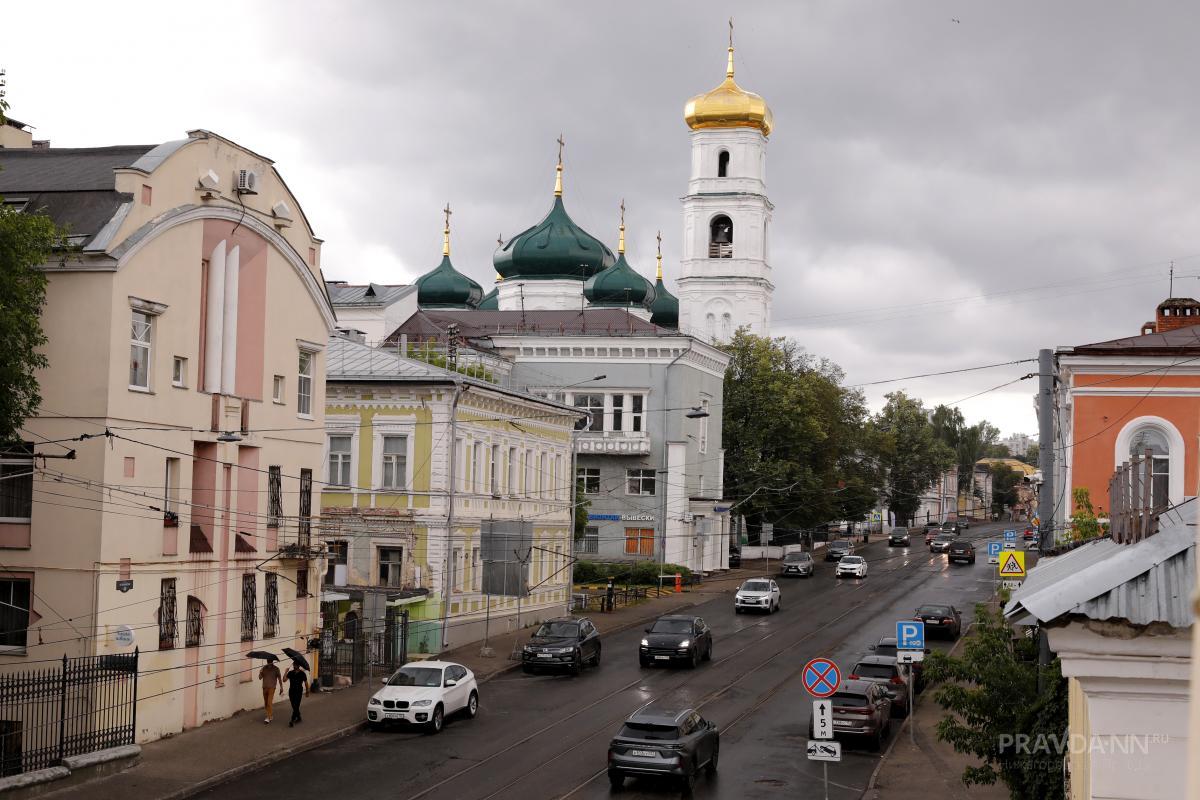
(616, 443)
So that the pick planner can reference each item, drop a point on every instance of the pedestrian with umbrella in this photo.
(297, 680)
(272, 681)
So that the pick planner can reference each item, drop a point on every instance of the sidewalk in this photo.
(188, 763)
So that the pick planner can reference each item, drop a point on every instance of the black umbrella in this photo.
(297, 658)
(270, 657)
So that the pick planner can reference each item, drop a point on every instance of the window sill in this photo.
(278, 402)
(15, 651)
(141, 390)
(179, 386)
(308, 417)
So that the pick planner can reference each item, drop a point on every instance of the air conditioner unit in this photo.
(247, 181)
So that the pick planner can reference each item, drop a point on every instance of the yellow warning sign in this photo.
(1012, 564)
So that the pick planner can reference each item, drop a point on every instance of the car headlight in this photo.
(530, 648)
(565, 650)
(374, 702)
(684, 643)
(645, 642)
(422, 702)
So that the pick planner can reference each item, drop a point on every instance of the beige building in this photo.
(186, 376)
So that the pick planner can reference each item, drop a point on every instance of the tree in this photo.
(1031, 455)
(911, 454)
(1084, 524)
(795, 452)
(1005, 479)
(582, 506)
(991, 692)
(969, 442)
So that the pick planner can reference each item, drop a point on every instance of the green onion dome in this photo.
(444, 286)
(664, 310)
(619, 286)
(491, 300)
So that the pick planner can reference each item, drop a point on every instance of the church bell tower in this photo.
(725, 275)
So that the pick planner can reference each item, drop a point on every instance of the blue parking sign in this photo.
(1010, 536)
(993, 549)
(910, 634)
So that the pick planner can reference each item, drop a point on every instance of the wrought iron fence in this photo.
(84, 705)
(351, 649)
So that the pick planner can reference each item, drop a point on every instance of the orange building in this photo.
(1128, 395)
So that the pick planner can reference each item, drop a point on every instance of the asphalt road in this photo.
(547, 736)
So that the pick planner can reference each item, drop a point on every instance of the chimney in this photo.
(1176, 312)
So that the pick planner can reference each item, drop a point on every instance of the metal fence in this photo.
(350, 649)
(84, 705)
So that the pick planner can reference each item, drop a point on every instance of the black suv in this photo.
(735, 559)
(563, 643)
(899, 537)
(664, 740)
(676, 638)
(961, 550)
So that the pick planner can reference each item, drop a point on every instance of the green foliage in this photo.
(27, 241)
(1031, 455)
(424, 352)
(1084, 524)
(1005, 479)
(634, 573)
(582, 506)
(991, 691)
(969, 442)
(788, 422)
(911, 453)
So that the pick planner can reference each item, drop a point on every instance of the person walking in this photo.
(297, 688)
(272, 681)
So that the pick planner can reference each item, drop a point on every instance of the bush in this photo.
(638, 573)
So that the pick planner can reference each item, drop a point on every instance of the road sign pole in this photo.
(912, 709)
(825, 769)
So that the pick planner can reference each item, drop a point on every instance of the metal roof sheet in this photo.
(371, 294)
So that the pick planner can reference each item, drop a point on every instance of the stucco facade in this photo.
(192, 312)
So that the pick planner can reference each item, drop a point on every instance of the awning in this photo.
(403, 601)
(333, 597)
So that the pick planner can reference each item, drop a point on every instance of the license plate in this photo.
(842, 722)
(545, 655)
(394, 715)
(645, 753)
(661, 658)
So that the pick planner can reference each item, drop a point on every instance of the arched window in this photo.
(710, 325)
(726, 327)
(720, 238)
(723, 164)
(1153, 440)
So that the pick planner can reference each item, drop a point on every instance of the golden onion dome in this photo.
(729, 106)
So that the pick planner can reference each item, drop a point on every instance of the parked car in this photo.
(941, 542)
(799, 565)
(940, 619)
(424, 693)
(562, 643)
(892, 676)
(664, 740)
(757, 594)
(961, 550)
(851, 567)
(676, 638)
(861, 709)
(735, 559)
(886, 646)
(899, 537)
(837, 549)
(1029, 533)
(932, 529)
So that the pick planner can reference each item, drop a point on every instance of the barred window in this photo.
(274, 496)
(167, 626)
(305, 523)
(271, 614)
(195, 622)
(301, 583)
(249, 607)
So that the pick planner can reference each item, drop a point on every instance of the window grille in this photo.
(271, 614)
(274, 496)
(195, 623)
(249, 608)
(167, 626)
(305, 524)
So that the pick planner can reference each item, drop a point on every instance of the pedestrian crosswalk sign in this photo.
(1012, 564)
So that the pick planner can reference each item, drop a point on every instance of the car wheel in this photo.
(374, 726)
(711, 768)
(644, 662)
(577, 665)
(688, 781)
(616, 780)
(737, 610)
(708, 652)
(435, 724)
(527, 669)
(596, 658)
(694, 660)
(473, 705)
(876, 743)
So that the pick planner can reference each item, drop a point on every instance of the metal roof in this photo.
(1141, 583)
(371, 294)
(1176, 342)
(475, 324)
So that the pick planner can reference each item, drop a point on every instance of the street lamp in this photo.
(696, 413)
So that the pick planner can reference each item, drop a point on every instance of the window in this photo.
(16, 482)
(171, 493)
(274, 496)
(304, 378)
(639, 541)
(590, 543)
(391, 567)
(456, 583)
(618, 403)
(339, 553)
(720, 240)
(635, 412)
(528, 473)
(271, 609)
(339, 460)
(167, 629)
(460, 466)
(589, 479)
(1160, 457)
(395, 462)
(277, 389)
(249, 607)
(179, 372)
(544, 476)
(494, 468)
(702, 439)
(723, 164)
(304, 523)
(514, 472)
(726, 326)
(14, 613)
(302, 583)
(476, 570)
(194, 633)
(639, 481)
(593, 404)
(559, 488)
(477, 468)
(141, 331)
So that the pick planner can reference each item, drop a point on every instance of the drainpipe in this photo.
(662, 552)
(459, 391)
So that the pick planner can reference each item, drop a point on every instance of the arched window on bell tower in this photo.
(723, 164)
(720, 239)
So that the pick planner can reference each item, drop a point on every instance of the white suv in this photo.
(852, 567)
(757, 594)
(424, 693)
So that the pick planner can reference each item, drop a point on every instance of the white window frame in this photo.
(642, 478)
(147, 346)
(345, 466)
(18, 462)
(514, 471)
(303, 392)
(381, 429)
(494, 470)
(179, 373)
(478, 483)
(476, 569)
(544, 476)
(343, 425)
(702, 437)
(584, 479)
(1175, 454)
(279, 390)
(379, 562)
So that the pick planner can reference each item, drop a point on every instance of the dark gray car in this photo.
(676, 638)
(667, 740)
(565, 643)
(834, 551)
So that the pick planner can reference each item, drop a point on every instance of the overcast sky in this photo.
(955, 183)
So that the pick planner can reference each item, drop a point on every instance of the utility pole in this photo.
(1046, 377)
